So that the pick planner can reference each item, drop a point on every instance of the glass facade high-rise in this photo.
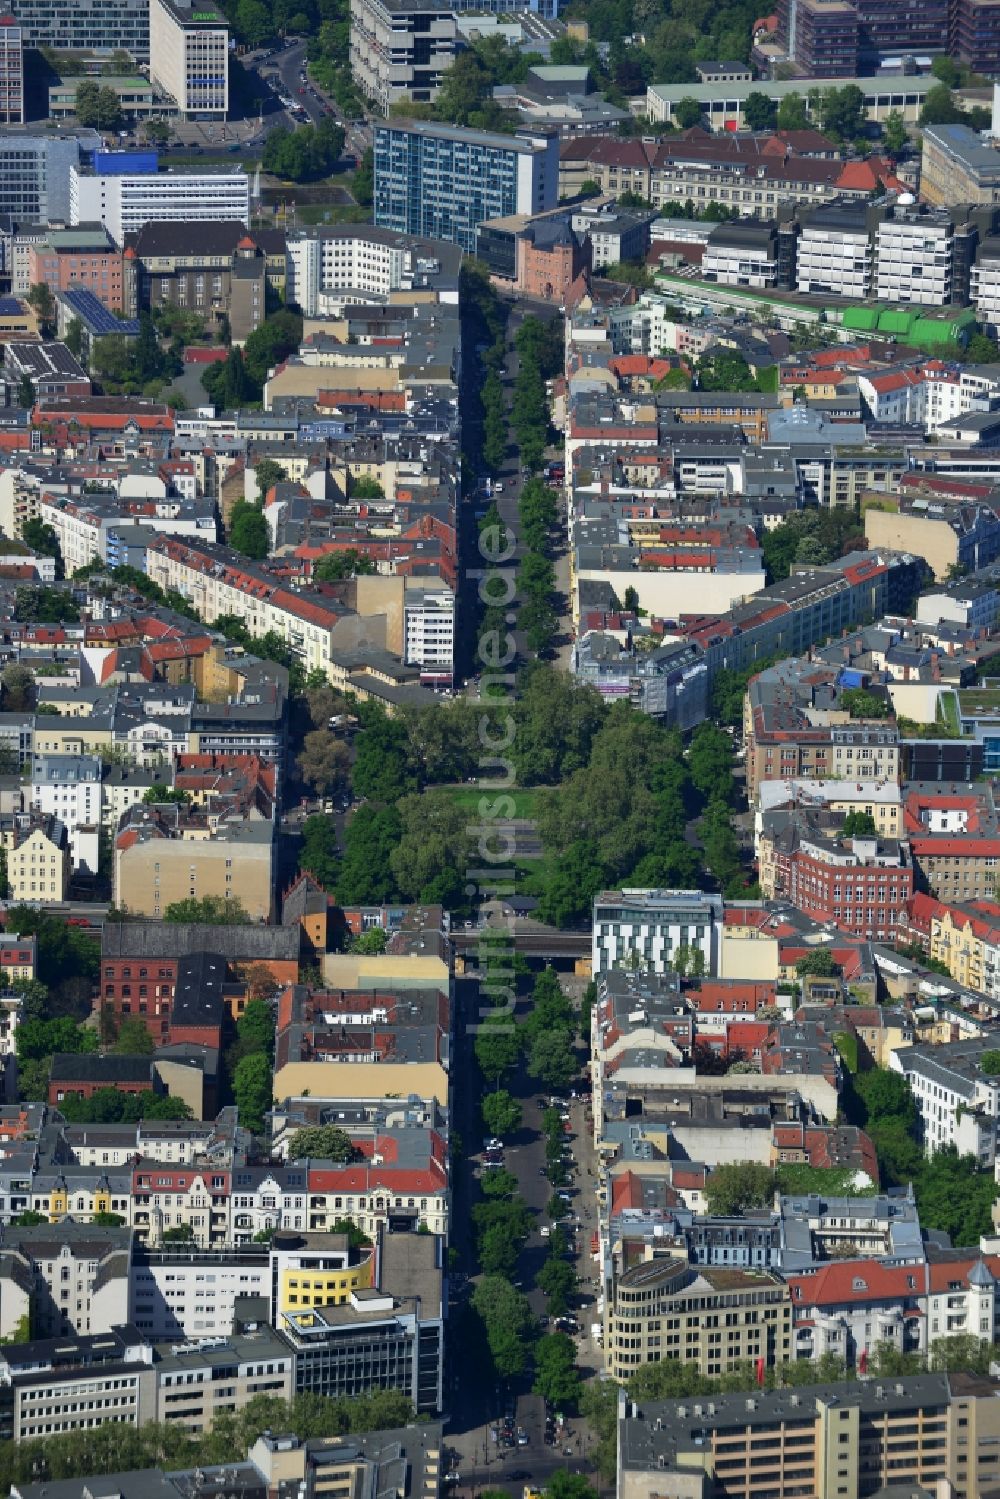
(441, 182)
(67, 26)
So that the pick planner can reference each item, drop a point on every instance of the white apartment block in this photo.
(69, 787)
(985, 284)
(125, 204)
(646, 929)
(331, 268)
(189, 57)
(914, 259)
(958, 1105)
(429, 628)
(83, 529)
(82, 533)
(194, 1297)
(834, 261)
(740, 265)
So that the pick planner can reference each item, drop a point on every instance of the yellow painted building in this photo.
(968, 947)
(306, 1286)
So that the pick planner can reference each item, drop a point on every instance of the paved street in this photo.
(473, 1402)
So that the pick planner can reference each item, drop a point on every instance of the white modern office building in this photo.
(189, 56)
(332, 266)
(647, 929)
(914, 258)
(429, 626)
(125, 204)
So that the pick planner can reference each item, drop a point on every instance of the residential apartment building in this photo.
(954, 839)
(350, 1044)
(84, 257)
(847, 1308)
(954, 534)
(429, 634)
(921, 1430)
(167, 854)
(957, 1102)
(442, 182)
(795, 726)
(72, 1279)
(124, 203)
(650, 927)
(663, 1307)
(11, 71)
(965, 939)
(189, 57)
(38, 858)
(68, 788)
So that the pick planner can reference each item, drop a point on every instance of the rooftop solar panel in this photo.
(10, 306)
(96, 315)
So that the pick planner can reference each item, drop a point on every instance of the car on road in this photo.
(522, 1437)
(545, 1231)
(498, 486)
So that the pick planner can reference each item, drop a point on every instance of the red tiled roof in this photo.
(853, 1282)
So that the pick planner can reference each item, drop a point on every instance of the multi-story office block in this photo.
(914, 257)
(835, 253)
(189, 56)
(66, 26)
(34, 175)
(332, 264)
(712, 1318)
(892, 26)
(401, 48)
(11, 72)
(125, 203)
(929, 1433)
(974, 35)
(442, 182)
(985, 284)
(650, 927)
(742, 255)
(820, 36)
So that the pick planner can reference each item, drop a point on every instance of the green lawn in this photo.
(947, 711)
(979, 699)
(525, 802)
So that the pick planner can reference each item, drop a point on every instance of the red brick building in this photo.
(73, 1075)
(860, 884)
